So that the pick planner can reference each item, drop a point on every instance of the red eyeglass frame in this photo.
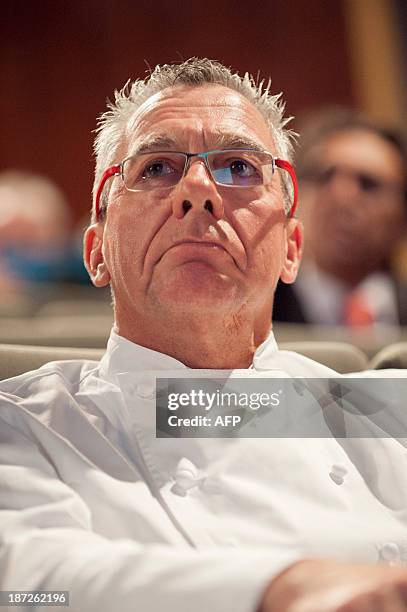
(117, 171)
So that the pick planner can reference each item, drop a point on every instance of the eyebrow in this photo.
(222, 140)
(232, 140)
(153, 142)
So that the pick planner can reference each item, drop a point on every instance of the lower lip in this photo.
(197, 247)
(208, 253)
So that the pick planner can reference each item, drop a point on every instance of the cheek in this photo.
(385, 232)
(131, 224)
(261, 228)
(122, 241)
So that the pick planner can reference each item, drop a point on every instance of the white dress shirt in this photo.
(88, 501)
(323, 297)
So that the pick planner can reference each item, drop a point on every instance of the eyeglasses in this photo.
(367, 184)
(236, 168)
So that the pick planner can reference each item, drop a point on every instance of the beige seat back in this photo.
(90, 331)
(16, 359)
(339, 356)
(393, 356)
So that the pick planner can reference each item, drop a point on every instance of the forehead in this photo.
(365, 151)
(198, 117)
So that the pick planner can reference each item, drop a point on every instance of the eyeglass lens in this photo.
(165, 169)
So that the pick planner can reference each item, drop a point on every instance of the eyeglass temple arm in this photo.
(112, 171)
(285, 165)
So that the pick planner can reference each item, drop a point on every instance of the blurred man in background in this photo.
(34, 230)
(353, 205)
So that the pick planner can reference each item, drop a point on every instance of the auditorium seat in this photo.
(369, 340)
(339, 356)
(87, 331)
(393, 356)
(16, 359)
(73, 307)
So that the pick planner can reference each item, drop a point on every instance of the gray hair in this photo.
(194, 72)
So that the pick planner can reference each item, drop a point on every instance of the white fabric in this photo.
(88, 503)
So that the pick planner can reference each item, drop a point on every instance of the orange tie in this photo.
(357, 312)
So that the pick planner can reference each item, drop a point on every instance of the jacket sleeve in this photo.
(47, 543)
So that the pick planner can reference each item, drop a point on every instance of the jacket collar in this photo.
(122, 355)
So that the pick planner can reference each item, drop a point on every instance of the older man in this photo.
(192, 228)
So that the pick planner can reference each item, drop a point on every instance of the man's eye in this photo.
(242, 168)
(324, 175)
(157, 169)
(368, 183)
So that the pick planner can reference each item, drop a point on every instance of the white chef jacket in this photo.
(88, 502)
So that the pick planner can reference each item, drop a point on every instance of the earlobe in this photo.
(294, 237)
(93, 255)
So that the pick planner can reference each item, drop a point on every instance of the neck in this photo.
(344, 271)
(348, 275)
(212, 343)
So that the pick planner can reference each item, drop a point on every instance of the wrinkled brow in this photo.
(231, 140)
(218, 140)
(153, 142)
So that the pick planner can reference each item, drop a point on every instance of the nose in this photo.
(197, 192)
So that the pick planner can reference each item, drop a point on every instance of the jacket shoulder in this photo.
(51, 376)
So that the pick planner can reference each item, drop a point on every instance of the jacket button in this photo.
(145, 390)
(186, 477)
(337, 473)
(390, 552)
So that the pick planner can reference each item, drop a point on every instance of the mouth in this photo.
(199, 243)
(194, 248)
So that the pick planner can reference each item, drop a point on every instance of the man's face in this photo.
(198, 246)
(355, 212)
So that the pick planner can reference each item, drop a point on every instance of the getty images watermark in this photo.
(281, 407)
(206, 401)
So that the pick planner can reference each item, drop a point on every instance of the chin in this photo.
(198, 286)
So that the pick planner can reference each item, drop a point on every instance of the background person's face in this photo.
(244, 229)
(350, 225)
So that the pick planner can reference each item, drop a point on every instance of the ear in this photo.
(294, 238)
(93, 255)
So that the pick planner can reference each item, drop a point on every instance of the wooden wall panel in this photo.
(59, 61)
(378, 75)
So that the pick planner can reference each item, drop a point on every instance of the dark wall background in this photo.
(60, 61)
